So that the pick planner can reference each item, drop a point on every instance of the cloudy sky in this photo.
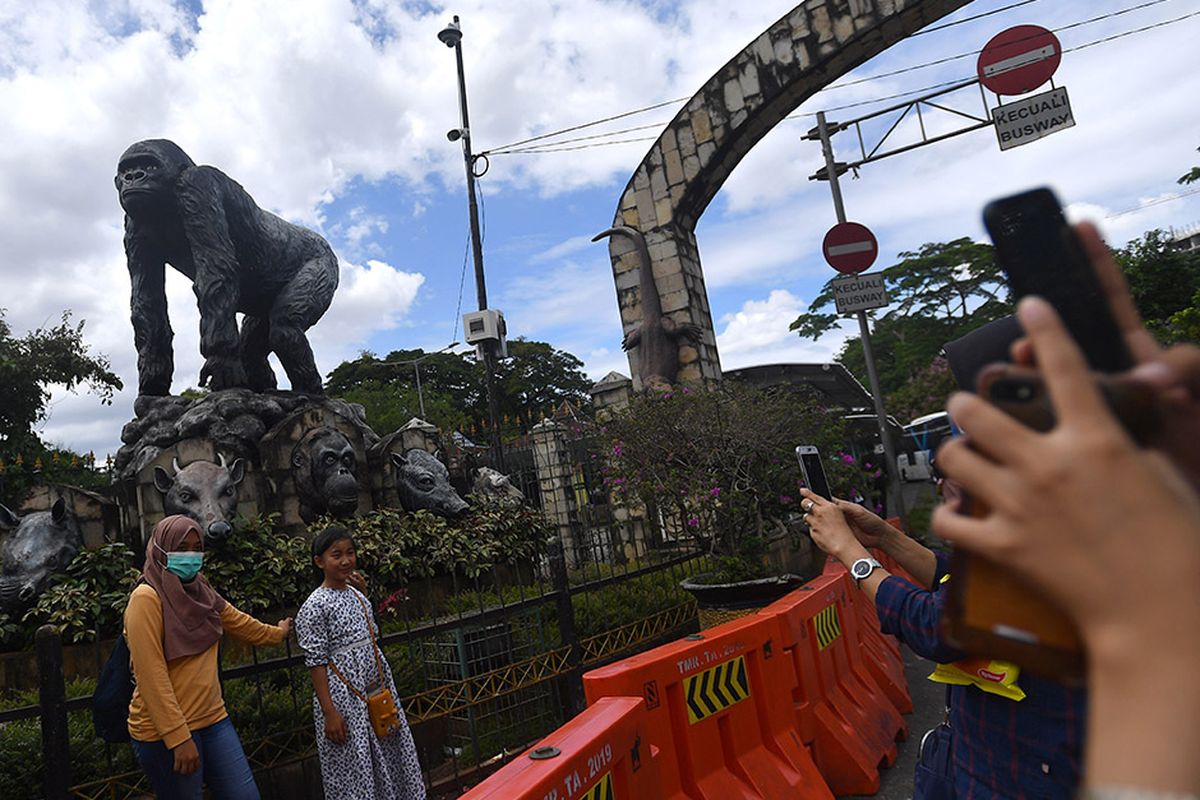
(333, 114)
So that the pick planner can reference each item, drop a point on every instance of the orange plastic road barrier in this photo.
(602, 754)
(718, 705)
(850, 723)
(881, 652)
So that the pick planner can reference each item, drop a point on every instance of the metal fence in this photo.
(484, 666)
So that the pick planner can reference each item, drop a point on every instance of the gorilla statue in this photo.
(238, 258)
(324, 468)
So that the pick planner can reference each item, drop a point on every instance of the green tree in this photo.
(533, 379)
(938, 293)
(31, 364)
(1165, 283)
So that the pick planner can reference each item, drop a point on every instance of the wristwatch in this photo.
(861, 570)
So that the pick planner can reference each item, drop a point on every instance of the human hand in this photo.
(1068, 506)
(285, 625)
(187, 757)
(358, 581)
(868, 528)
(1173, 373)
(335, 727)
(828, 528)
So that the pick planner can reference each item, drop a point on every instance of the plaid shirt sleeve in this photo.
(914, 616)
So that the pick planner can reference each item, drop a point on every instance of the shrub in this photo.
(89, 598)
(719, 464)
(258, 568)
(395, 547)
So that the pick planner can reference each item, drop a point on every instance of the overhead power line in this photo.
(945, 25)
(520, 148)
(1152, 203)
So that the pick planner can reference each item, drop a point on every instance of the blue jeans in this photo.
(223, 767)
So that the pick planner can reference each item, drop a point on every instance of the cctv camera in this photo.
(454, 134)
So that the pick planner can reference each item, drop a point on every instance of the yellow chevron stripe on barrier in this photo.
(716, 689)
(602, 790)
(828, 626)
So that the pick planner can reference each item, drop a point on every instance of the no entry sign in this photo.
(1019, 60)
(850, 247)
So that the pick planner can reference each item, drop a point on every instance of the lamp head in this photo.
(451, 35)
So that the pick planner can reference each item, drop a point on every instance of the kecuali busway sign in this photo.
(1031, 118)
(859, 292)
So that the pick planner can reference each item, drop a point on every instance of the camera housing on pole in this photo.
(486, 328)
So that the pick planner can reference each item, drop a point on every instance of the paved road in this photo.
(928, 701)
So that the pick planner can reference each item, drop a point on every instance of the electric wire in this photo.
(974, 53)
(1152, 203)
(518, 148)
(945, 25)
(462, 282)
(503, 151)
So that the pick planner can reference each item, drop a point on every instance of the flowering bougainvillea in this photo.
(719, 464)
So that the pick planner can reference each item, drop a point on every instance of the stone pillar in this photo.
(419, 434)
(804, 51)
(611, 394)
(551, 460)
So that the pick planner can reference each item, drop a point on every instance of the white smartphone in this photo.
(813, 470)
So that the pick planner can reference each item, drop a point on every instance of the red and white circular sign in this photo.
(1019, 60)
(850, 247)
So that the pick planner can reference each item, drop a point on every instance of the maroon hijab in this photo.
(191, 611)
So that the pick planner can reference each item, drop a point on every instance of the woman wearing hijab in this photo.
(181, 732)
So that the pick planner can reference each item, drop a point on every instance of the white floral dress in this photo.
(331, 626)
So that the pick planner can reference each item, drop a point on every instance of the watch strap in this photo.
(873, 563)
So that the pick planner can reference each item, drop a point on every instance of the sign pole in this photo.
(889, 451)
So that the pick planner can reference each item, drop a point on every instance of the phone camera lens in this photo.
(1025, 392)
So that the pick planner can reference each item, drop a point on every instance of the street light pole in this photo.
(864, 332)
(451, 36)
(420, 397)
(416, 365)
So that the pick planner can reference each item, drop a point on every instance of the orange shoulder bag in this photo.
(381, 706)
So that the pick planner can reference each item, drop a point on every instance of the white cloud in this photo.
(305, 102)
(758, 333)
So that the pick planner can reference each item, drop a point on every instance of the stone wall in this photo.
(99, 517)
(808, 48)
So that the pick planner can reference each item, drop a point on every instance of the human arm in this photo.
(241, 625)
(911, 613)
(874, 531)
(312, 635)
(335, 726)
(830, 531)
(144, 635)
(1071, 512)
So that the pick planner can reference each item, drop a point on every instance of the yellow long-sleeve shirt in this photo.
(173, 698)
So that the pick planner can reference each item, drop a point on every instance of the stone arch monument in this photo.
(807, 49)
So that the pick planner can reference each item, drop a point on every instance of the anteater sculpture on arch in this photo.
(238, 257)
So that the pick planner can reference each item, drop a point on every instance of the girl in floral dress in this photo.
(332, 628)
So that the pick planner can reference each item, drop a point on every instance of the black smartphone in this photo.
(813, 470)
(1041, 255)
